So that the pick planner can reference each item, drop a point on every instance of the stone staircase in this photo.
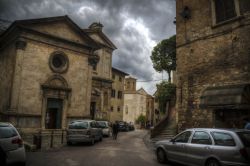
(166, 128)
(167, 133)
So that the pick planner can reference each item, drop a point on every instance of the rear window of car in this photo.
(79, 125)
(102, 124)
(223, 139)
(7, 132)
(245, 138)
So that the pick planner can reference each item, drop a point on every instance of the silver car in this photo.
(104, 125)
(206, 147)
(83, 131)
(11, 145)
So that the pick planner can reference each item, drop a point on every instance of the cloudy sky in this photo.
(134, 26)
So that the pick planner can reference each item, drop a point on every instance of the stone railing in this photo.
(44, 139)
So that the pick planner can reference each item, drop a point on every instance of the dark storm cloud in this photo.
(134, 43)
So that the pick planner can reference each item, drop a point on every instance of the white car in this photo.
(104, 125)
(83, 131)
(11, 145)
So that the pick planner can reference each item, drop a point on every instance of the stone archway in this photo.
(56, 93)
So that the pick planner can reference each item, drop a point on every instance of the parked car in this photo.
(11, 145)
(206, 147)
(123, 126)
(131, 126)
(83, 131)
(104, 125)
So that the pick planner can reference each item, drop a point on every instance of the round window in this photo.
(58, 62)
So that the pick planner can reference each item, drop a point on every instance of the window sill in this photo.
(227, 21)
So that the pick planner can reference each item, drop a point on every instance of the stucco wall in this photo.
(136, 104)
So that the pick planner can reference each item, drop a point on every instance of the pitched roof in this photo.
(102, 35)
(21, 23)
(4, 24)
(142, 91)
(119, 71)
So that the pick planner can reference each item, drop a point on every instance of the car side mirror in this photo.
(172, 140)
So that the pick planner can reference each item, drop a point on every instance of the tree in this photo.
(165, 92)
(164, 56)
(141, 119)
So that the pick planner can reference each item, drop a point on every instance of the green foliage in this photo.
(141, 119)
(164, 56)
(165, 92)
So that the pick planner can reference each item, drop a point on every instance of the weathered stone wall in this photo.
(7, 66)
(35, 71)
(207, 55)
(117, 85)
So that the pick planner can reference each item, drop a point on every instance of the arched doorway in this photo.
(55, 98)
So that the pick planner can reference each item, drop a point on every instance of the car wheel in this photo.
(212, 162)
(161, 156)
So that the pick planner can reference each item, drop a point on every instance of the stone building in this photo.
(213, 63)
(150, 114)
(46, 76)
(136, 102)
(102, 73)
(117, 95)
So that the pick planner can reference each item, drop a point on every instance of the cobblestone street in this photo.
(128, 150)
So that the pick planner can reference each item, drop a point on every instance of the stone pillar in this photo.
(17, 79)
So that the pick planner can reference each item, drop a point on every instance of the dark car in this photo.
(123, 126)
(131, 126)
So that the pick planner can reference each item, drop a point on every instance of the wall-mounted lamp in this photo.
(186, 13)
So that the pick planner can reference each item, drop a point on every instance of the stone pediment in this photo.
(142, 91)
(61, 27)
(100, 37)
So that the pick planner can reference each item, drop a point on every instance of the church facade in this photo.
(51, 70)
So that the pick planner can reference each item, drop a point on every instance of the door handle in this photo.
(207, 148)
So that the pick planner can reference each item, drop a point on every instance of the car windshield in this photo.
(7, 132)
(245, 138)
(78, 125)
(102, 124)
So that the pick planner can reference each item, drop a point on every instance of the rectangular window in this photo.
(244, 6)
(113, 76)
(112, 109)
(118, 109)
(224, 10)
(223, 139)
(201, 137)
(95, 67)
(113, 93)
(120, 79)
(119, 95)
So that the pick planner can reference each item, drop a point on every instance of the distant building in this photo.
(117, 95)
(136, 102)
(150, 115)
(213, 63)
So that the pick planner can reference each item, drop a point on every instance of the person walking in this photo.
(115, 130)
